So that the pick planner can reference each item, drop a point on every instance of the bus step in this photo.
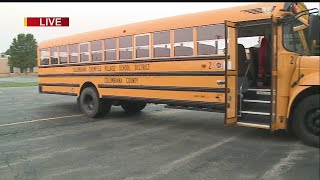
(258, 94)
(259, 89)
(256, 113)
(256, 106)
(256, 101)
(254, 125)
(195, 108)
(254, 118)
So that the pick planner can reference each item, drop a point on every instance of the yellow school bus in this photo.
(258, 64)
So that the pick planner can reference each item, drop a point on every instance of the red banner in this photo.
(46, 21)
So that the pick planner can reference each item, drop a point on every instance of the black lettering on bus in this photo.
(110, 68)
(113, 80)
(144, 67)
(132, 80)
(124, 68)
(79, 69)
(95, 69)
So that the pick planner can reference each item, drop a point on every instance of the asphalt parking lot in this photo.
(46, 137)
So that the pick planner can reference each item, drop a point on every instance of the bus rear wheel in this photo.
(133, 107)
(306, 120)
(92, 105)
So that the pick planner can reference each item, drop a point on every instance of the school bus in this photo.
(200, 61)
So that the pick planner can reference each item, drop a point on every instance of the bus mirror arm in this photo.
(298, 15)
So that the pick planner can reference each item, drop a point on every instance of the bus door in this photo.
(273, 123)
(231, 71)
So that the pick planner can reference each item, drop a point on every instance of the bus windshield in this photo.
(293, 41)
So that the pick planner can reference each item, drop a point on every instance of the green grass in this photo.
(18, 84)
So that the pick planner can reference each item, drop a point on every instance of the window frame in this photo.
(222, 39)
(52, 55)
(149, 45)
(67, 54)
(101, 51)
(11, 68)
(132, 47)
(169, 47)
(105, 49)
(48, 51)
(174, 43)
(78, 54)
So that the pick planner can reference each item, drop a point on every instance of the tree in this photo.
(23, 52)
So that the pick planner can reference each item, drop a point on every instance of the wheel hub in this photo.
(88, 102)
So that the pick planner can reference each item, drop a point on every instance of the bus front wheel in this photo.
(133, 107)
(92, 105)
(306, 120)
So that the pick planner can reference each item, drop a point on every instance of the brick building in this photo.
(5, 69)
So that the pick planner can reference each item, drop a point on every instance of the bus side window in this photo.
(84, 52)
(125, 47)
(54, 55)
(211, 39)
(161, 44)
(63, 54)
(183, 42)
(44, 56)
(96, 47)
(73, 53)
(142, 45)
(110, 49)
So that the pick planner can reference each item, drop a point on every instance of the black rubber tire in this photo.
(78, 101)
(133, 107)
(308, 108)
(92, 105)
(290, 131)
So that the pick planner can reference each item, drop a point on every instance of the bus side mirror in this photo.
(314, 27)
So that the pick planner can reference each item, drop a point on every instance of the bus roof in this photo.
(235, 14)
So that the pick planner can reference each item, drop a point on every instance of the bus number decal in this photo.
(292, 60)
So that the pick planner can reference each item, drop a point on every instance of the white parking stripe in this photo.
(37, 120)
(165, 169)
(284, 164)
(47, 119)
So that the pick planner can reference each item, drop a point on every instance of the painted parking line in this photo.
(167, 168)
(75, 115)
(37, 120)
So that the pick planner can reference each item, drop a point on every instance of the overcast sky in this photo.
(90, 16)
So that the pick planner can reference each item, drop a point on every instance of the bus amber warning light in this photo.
(46, 21)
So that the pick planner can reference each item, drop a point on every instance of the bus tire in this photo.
(78, 101)
(133, 107)
(306, 120)
(92, 105)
